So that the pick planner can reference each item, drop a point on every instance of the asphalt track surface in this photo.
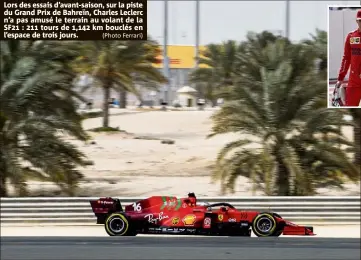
(50, 248)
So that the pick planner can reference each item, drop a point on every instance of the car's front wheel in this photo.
(265, 225)
(117, 225)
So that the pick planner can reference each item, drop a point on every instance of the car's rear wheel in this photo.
(265, 225)
(117, 225)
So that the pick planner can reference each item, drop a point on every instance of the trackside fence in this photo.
(60, 210)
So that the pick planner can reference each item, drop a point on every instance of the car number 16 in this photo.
(137, 207)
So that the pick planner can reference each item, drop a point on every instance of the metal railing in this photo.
(322, 210)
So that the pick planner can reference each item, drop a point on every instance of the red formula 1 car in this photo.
(172, 215)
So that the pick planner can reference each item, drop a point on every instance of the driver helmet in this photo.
(192, 199)
(191, 195)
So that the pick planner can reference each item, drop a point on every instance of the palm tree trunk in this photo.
(106, 90)
(123, 98)
(214, 102)
(357, 140)
(282, 181)
(3, 190)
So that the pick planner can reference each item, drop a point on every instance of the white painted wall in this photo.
(183, 99)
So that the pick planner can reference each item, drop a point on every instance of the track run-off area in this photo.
(142, 247)
(73, 243)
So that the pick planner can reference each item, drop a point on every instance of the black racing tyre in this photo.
(279, 230)
(265, 225)
(117, 224)
(277, 233)
(276, 215)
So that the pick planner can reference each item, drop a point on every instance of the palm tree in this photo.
(356, 123)
(222, 62)
(318, 45)
(272, 101)
(37, 107)
(149, 78)
(119, 65)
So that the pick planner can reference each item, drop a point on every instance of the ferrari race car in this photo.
(172, 215)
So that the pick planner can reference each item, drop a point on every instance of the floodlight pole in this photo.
(197, 33)
(287, 22)
(165, 53)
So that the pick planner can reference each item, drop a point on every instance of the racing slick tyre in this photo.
(118, 225)
(265, 225)
(279, 230)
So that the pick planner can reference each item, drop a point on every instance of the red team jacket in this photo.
(352, 56)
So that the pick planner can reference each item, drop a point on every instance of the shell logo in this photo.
(189, 220)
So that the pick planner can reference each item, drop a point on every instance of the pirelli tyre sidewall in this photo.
(117, 225)
(264, 225)
(280, 227)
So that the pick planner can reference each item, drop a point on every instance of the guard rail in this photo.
(55, 210)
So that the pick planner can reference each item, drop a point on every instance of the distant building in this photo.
(187, 96)
(182, 62)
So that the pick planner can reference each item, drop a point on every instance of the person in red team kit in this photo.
(352, 60)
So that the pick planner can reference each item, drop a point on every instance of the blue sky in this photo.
(223, 20)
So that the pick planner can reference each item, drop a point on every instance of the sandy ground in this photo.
(351, 231)
(124, 166)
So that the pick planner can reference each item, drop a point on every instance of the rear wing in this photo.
(102, 207)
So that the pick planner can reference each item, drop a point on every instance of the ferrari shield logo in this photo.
(220, 217)
(175, 221)
(189, 220)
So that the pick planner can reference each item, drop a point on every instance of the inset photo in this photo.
(344, 56)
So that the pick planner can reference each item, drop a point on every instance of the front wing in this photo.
(291, 229)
